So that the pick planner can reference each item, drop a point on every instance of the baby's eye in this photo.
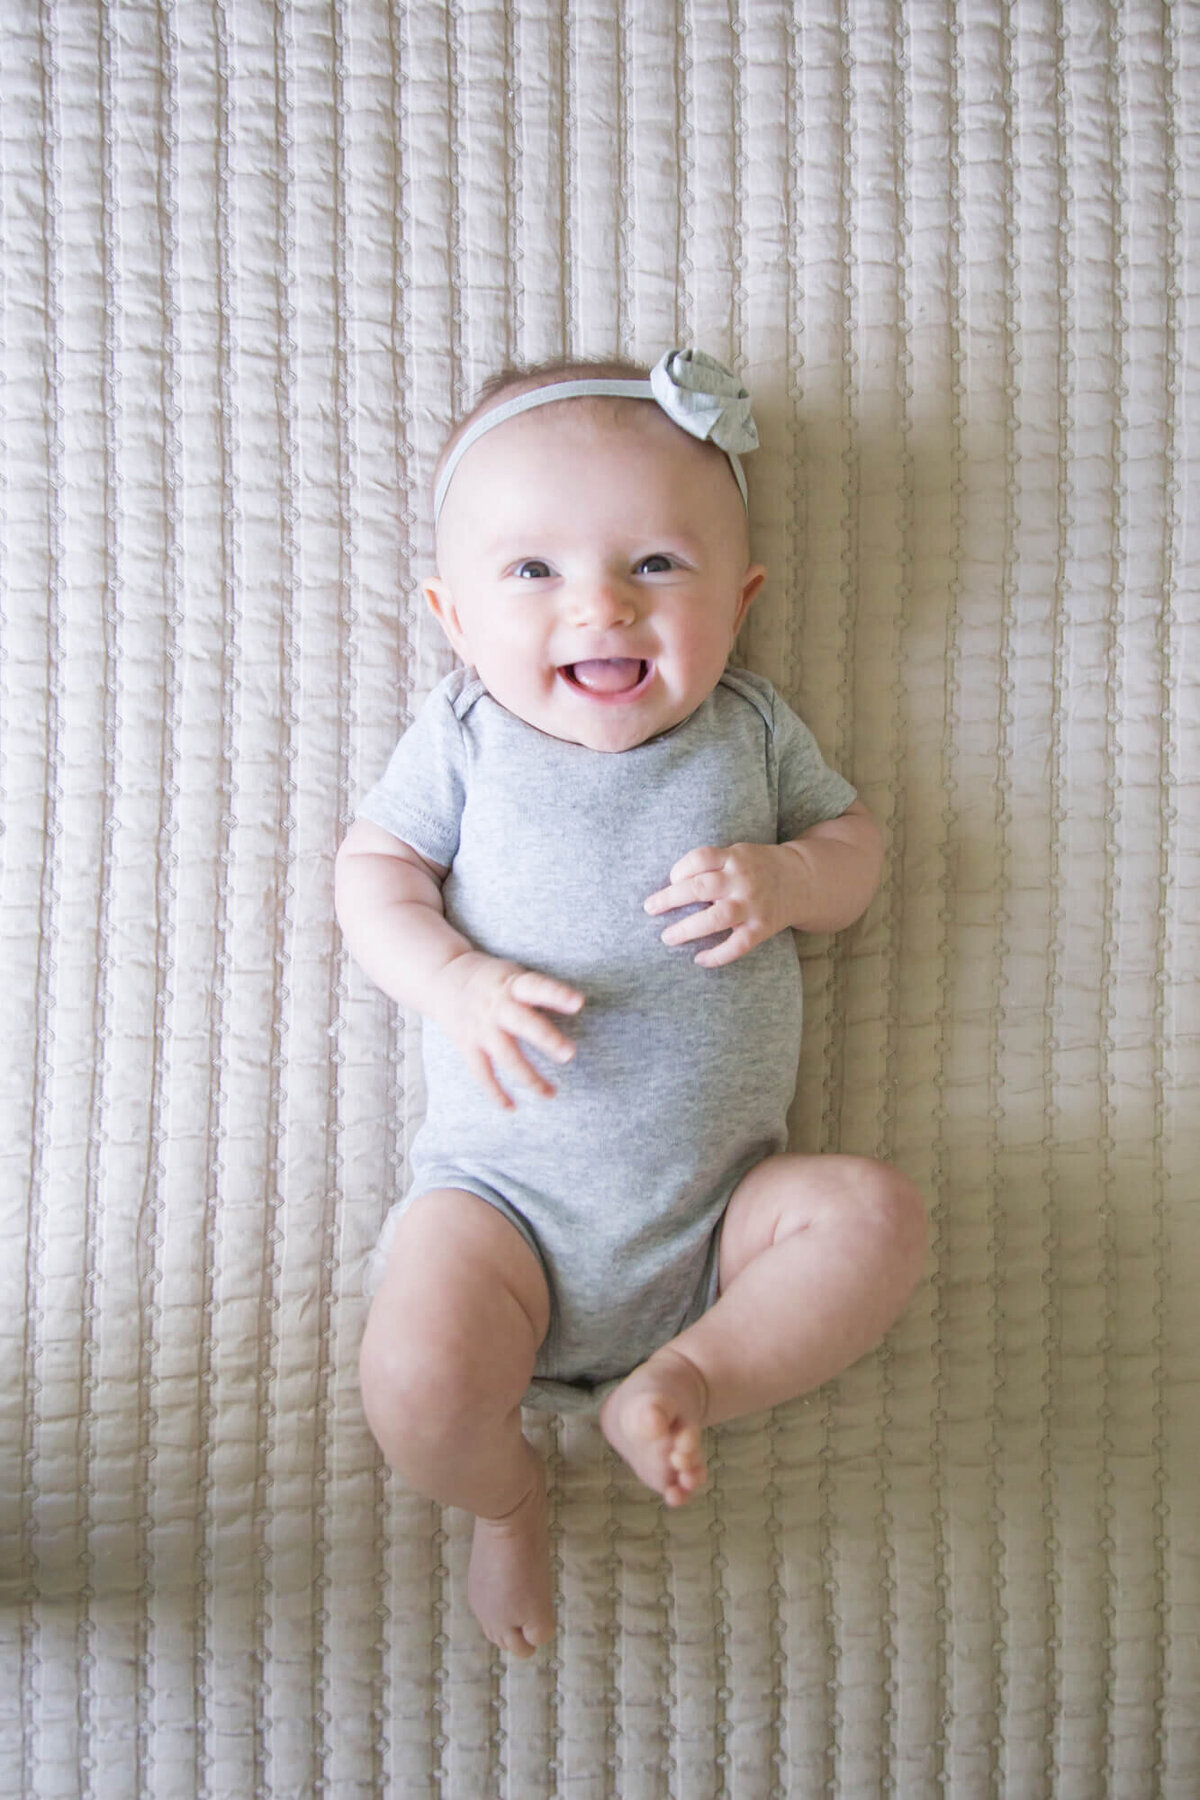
(657, 564)
(532, 569)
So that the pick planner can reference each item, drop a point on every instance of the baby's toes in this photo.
(685, 1451)
(687, 1464)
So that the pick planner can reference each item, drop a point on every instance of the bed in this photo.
(254, 257)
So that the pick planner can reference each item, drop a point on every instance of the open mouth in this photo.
(608, 678)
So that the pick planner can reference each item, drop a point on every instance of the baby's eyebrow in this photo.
(545, 544)
(513, 543)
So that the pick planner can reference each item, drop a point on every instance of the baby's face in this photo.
(593, 568)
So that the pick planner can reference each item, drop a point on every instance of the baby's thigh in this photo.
(459, 1314)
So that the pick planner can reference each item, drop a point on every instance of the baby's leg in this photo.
(818, 1256)
(447, 1354)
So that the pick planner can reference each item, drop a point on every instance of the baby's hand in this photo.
(485, 1004)
(747, 892)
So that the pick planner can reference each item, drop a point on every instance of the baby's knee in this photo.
(452, 1334)
(893, 1208)
(416, 1392)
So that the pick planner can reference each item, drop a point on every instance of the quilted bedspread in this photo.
(254, 256)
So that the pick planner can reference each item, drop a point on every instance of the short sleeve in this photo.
(420, 796)
(810, 792)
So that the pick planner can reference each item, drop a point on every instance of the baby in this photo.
(644, 1242)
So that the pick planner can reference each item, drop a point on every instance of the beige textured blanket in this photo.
(252, 257)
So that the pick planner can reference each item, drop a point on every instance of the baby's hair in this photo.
(522, 379)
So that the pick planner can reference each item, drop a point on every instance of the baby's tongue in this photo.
(612, 676)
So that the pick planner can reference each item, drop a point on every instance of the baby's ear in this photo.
(751, 582)
(441, 604)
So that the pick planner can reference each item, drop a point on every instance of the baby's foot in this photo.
(653, 1420)
(508, 1581)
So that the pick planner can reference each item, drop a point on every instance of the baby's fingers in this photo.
(527, 992)
(700, 889)
(525, 1023)
(505, 1052)
(480, 1065)
(532, 989)
(508, 1053)
(684, 887)
(736, 944)
(699, 924)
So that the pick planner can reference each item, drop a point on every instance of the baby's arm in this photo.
(389, 905)
(820, 881)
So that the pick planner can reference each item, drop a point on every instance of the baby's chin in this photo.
(594, 723)
(609, 735)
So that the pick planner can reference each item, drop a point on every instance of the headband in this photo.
(694, 390)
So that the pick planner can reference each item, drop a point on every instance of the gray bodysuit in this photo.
(683, 1076)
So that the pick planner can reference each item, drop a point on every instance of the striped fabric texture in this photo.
(254, 256)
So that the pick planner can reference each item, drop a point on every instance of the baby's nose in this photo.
(603, 601)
